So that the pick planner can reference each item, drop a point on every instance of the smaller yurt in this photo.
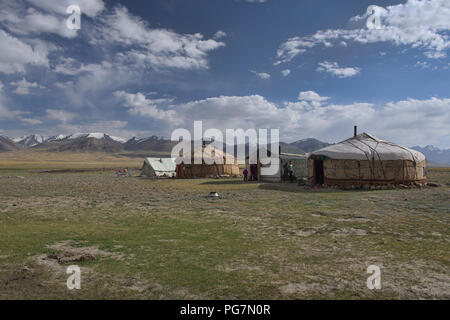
(198, 168)
(298, 161)
(159, 167)
(366, 160)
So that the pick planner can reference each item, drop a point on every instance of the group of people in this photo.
(288, 172)
(253, 173)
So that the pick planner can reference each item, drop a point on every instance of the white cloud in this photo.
(220, 34)
(23, 86)
(286, 72)
(32, 21)
(408, 122)
(156, 48)
(70, 66)
(90, 8)
(139, 105)
(262, 75)
(334, 69)
(60, 115)
(311, 96)
(421, 24)
(16, 54)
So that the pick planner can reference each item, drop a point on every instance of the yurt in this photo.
(158, 167)
(298, 161)
(198, 168)
(366, 160)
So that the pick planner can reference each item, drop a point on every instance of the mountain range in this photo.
(102, 142)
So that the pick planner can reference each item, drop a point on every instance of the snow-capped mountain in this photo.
(56, 138)
(434, 154)
(96, 135)
(7, 144)
(30, 141)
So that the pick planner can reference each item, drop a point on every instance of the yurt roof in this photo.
(368, 147)
(162, 164)
(209, 150)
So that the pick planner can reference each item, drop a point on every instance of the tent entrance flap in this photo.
(318, 172)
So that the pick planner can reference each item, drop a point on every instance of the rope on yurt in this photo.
(368, 160)
(377, 154)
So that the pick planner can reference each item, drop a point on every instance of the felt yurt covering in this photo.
(228, 167)
(365, 159)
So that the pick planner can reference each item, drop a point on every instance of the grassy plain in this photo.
(140, 238)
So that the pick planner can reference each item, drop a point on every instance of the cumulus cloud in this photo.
(311, 96)
(334, 69)
(90, 8)
(139, 105)
(262, 75)
(31, 21)
(44, 16)
(16, 54)
(409, 122)
(156, 48)
(23, 86)
(421, 24)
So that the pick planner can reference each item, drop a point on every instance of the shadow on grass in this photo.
(293, 187)
(284, 187)
(225, 182)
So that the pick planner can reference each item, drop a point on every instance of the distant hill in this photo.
(149, 144)
(435, 155)
(102, 142)
(309, 145)
(7, 144)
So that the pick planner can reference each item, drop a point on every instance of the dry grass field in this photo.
(140, 238)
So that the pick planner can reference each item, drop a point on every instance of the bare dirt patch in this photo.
(66, 253)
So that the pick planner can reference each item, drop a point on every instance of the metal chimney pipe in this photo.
(355, 131)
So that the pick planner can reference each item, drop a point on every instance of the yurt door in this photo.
(318, 172)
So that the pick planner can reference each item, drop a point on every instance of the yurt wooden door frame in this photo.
(318, 172)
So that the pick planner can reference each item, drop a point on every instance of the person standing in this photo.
(253, 169)
(291, 171)
(245, 173)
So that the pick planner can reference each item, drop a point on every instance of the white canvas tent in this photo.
(159, 167)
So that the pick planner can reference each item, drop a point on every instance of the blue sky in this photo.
(310, 68)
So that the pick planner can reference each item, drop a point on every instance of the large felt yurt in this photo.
(204, 164)
(366, 160)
